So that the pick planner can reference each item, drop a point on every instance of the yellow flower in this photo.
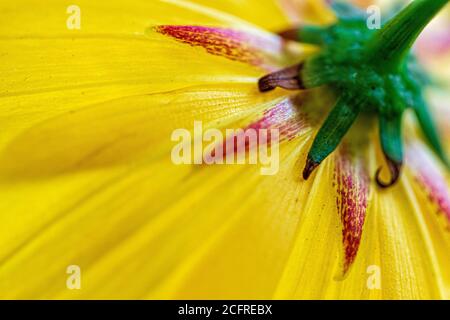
(86, 178)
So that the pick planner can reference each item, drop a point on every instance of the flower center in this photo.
(371, 71)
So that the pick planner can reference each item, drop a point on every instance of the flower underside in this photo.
(372, 72)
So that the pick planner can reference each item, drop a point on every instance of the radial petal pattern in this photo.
(86, 177)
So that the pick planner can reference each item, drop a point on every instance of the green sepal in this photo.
(332, 131)
(391, 136)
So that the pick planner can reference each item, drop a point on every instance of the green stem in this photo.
(392, 43)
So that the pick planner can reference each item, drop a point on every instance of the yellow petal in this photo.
(48, 70)
(139, 219)
(267, 14)
(396, 259)
(223, 238)
(433, 196)
(122, 131)
(98, 190)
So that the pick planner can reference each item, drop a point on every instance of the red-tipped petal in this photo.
(262, 50)
(284, 117)
(352, 185)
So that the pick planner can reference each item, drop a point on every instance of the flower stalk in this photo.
(393, 42)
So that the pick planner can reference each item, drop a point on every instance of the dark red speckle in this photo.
(231, 44)
(352, 185)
